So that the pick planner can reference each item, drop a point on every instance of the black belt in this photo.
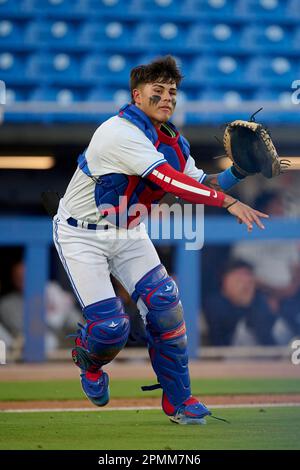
(82, 224)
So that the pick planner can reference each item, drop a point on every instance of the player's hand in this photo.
(244, 214)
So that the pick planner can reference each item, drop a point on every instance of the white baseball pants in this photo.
(89, 256)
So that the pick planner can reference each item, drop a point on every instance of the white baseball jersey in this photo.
(89, 256)
(117, 146)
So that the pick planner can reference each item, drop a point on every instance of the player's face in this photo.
(157, 100)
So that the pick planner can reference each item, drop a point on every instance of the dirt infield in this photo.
(143, 370)
(150, 402)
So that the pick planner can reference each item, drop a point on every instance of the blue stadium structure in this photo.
(69, 60)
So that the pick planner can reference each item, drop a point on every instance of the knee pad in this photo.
(166, 333)
(160, 294)
(103, 336)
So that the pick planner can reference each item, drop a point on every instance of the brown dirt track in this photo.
(142, 369)
(151, 402)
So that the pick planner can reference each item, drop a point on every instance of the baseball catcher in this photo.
(136, 157)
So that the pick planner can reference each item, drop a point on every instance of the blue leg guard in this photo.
(166, 336)
(103, 336)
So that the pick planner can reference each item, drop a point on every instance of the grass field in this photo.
(273, 428)
(249, 428)
(71, 390)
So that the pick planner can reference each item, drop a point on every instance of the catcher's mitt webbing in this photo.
(249, 145)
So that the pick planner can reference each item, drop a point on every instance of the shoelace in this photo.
(220, 419)
(78, 332)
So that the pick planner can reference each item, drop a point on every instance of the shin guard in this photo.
(167, 339)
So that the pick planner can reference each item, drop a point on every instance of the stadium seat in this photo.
(293, 10)
(63, 96)
(210, 9)
(158, 8)
(266, 95)
(219, 37)
(11, 34)
(57, 68)
(117, 9)
(267, 99)
(12, 9)
(219, 70)
(119, 96)
(266, 38)
(209, 94)
(264, 71)
(271, 10)
(100, 93)
(17, 93)
(12, 67)
(107, 69)
(112, 35)
(143, 35)
(51, 34)
(230, 97)
(60, 9)
(164, 37)
(295, 42)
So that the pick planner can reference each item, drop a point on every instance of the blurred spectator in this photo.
(288, 326)
(290, 189)
(61, 313)
(290, 312)
(287, 185)
(11, 312)
(238, 313)
(276, 263)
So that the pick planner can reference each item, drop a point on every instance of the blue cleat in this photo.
(94, 382)
(190, 412)
(96, 387)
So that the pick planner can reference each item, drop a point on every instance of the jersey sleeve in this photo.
(192, 171)
(181, 185)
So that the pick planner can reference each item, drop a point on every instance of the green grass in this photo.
(71, 390)
(271, 428)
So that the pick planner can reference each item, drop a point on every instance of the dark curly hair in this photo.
(163, 70)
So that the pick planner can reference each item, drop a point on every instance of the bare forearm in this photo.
(212, 182)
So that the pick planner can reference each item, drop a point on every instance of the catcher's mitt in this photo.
(249, 145)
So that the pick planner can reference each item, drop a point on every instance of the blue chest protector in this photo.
(113, 186)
